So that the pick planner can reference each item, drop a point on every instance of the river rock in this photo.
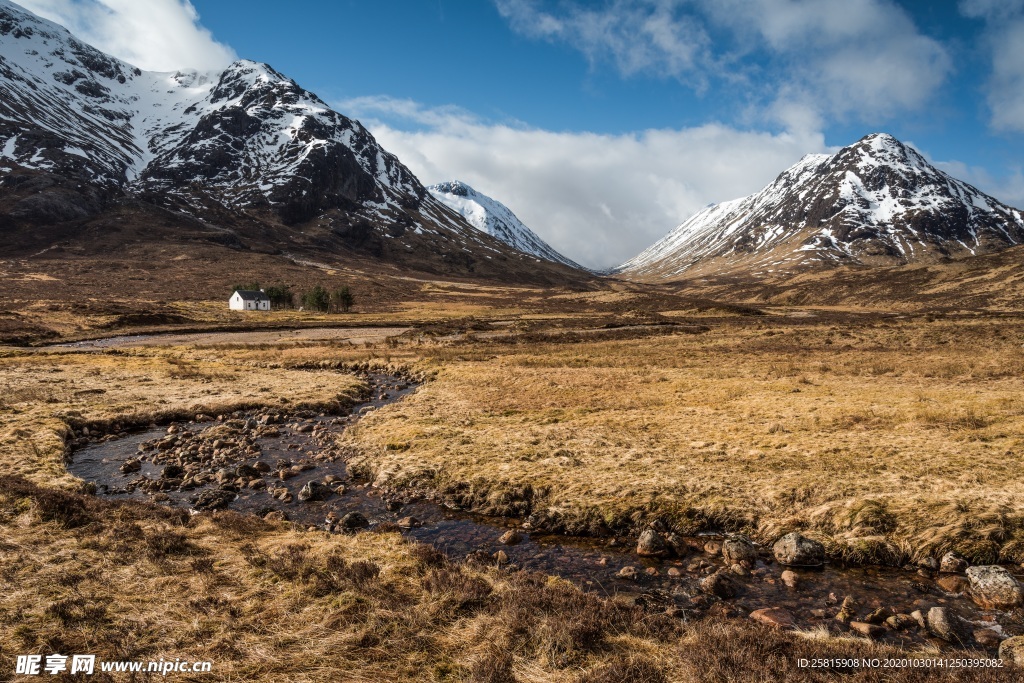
(739, 551)
(130, 466)
(929, 563)
(878, 616)
(651, 544)
(627, 572)
(798, 551)
(713, 547)
(274, 516)
(213, 499)
(901, 622)
(952, 564)
(172, 472)
(674, 572)
(510, 537)
(247, 471)
(847, 611)
(942, 623)
(776, 617)
(353, 520)
(987, 638)
(1011, 650)
(993, 587)
(314, 491)
(918, 616)
(718, 584)
(790, 578)
(409, 523)
(866, 629)
(677, 544)
(953, 583)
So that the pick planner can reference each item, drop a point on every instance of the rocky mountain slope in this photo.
(876, 202)
(494, 218)
(244, 157)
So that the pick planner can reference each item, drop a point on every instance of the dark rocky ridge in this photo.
(261, 163)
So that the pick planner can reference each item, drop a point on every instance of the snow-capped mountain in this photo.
(876, 202)
(494, 218)
(245, 147)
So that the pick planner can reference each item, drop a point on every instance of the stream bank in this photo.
(287, 466)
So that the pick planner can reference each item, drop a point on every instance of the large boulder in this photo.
(993, 587)
(796, 550)
(739, 551)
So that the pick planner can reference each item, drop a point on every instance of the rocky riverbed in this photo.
(288, 466)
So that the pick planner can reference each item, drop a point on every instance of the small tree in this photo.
(280, 296)
(343, 299)
(317, 299)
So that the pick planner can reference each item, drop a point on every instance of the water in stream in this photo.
(260, 461)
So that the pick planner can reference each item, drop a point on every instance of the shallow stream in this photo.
(259, 462)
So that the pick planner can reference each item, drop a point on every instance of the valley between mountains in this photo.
(792, 429)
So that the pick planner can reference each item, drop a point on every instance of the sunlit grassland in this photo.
(888, 440)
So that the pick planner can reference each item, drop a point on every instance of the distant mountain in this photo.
(494, 218)
(876, 202)
(244, 157)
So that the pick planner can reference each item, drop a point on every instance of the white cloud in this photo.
(599, 199)
(157, 35)
(801, 60)
(639, 36)
(1004, 37)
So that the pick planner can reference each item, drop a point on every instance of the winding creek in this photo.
(288, 466)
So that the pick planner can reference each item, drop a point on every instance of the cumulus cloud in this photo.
(801, 61)
(157, 35)
(638, 36)
(1004, 37)
(599, 199)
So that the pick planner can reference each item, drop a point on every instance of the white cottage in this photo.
(249, 300)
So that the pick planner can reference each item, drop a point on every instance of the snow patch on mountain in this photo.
(877, 201)
(494, 218)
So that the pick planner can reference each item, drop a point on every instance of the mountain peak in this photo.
(494, 218)
(453, 187)
(245, 152)
(877, 201)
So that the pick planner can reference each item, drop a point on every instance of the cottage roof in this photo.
(252, 295)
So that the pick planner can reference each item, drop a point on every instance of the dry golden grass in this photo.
(269, 602)
(905, 432)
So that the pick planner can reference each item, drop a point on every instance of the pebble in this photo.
(790, 578)
(510, 537)
(952, 563)
(628, 572)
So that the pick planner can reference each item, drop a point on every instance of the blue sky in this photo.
(604, 123)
